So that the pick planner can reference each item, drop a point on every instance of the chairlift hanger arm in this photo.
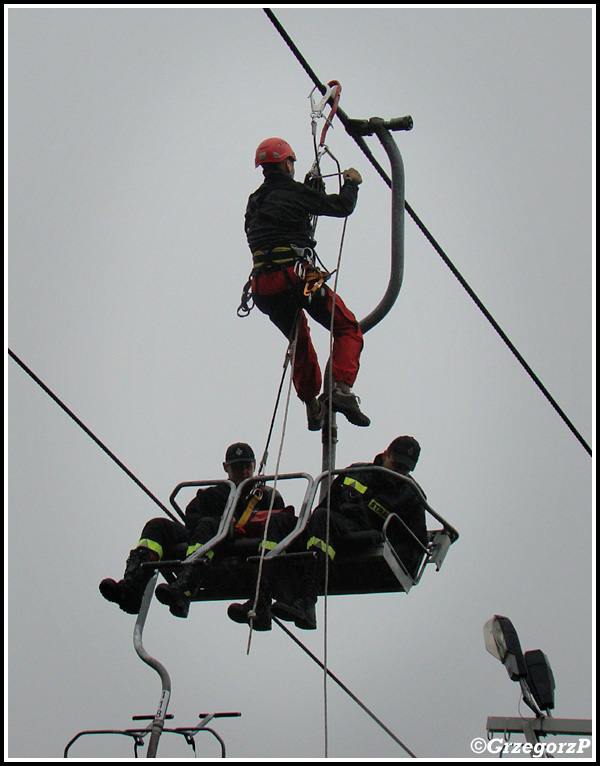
(382, 129)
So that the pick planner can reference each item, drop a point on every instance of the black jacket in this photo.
(279, 212)
(369, 496)
(212, 502)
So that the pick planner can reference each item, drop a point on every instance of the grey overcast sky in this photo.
(130, 142)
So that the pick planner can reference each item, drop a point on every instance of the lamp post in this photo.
(533, 672)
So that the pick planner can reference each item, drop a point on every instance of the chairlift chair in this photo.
(367, 562)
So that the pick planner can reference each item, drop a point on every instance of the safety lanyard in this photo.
(254, 500)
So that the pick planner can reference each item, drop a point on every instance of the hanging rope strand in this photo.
(367, 152)
(329, 383)
(291, 356)
(288, 354)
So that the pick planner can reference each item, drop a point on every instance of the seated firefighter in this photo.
(358, 500)
(202, 518)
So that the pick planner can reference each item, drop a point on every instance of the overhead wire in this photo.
(90, 433)
(344, 688)
(134, 478)
(345, 120)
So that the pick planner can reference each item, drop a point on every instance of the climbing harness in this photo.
(303, 261)
(308, 272)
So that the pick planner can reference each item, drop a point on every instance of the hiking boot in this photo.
(344, 401)
(177, 595)
(314, 414)
(129, 591)
(301, 612)
(240, 613)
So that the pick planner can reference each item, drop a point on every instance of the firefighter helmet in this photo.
(273, 150)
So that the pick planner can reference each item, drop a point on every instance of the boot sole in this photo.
(289, 614)
(356, 418)
(168, 599)
(127, 603)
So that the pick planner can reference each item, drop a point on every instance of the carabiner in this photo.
(334, 90)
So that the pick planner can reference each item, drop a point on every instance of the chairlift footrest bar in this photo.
(284, 557)
(175, 563)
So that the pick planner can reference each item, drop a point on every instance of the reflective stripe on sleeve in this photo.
(156, 547)
(349, 482)
(316, 542)
(193, 548)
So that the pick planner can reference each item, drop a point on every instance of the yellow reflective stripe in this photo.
(377, 508)
(356, 484)
(267, 545)
(193, 548)
(156, 547)
(316, 542)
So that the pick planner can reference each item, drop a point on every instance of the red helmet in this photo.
(273, 150)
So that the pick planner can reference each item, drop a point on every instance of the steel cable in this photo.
(82, 425)
(343, 117)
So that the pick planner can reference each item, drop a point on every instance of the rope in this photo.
(291, 348)
(330, 438)
(345, 688)
(363, 146)
(290, 356)
(82, 425)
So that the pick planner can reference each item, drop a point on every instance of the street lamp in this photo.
(533, 672)
(532, 669)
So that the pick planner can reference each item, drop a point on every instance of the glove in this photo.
(352, 175)
(315, 182)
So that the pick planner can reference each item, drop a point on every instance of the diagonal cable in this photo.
(345, 120)
(82, 425)
(344, 688)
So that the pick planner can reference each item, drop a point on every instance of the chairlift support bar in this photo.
(228, 575)
(322, 477)
(382, 129)
(227, 517)
(161, 712)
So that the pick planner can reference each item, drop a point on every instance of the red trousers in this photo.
(280, 295)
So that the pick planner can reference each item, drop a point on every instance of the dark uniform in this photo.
(278, 216)
(161, 536)
(362, 500)
(359, 500)
(202, 518)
